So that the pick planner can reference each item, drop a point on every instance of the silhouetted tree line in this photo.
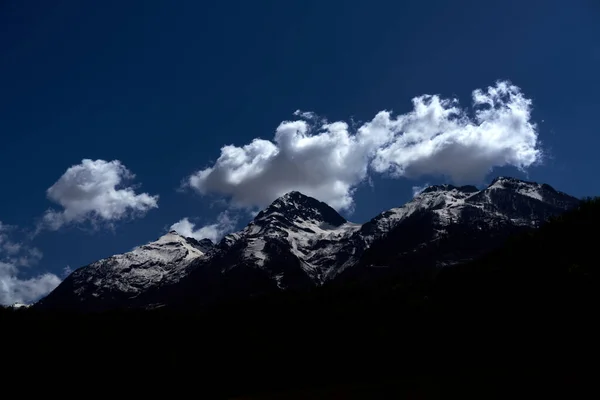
(526, 309)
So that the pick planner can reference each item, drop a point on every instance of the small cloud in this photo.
(67, 271)
(17, 290)
(309, 115)
(11, 248)
(94, 191)
(13, 287)
(28, 256)
(416, 190)
(370, 182)
(225, 224)
(16, 252)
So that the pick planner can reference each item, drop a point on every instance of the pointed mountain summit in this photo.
(295, 206)
(291, 242)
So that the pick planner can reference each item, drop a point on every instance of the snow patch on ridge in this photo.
(162, 261)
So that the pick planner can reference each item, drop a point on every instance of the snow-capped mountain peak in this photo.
(126, 276)
(525, 188)
(295, 206)
(294, 227)
(437, 197)
(505, 200)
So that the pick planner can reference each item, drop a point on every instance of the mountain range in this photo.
(298, 243)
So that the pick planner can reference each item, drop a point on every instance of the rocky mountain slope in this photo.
(122, 278)
(445, 225)
(299, 242)
(296, 227)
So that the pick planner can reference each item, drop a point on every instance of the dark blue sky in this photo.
(161, 86)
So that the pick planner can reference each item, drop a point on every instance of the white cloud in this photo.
(225, 224)
(6, 245)
(439, 138)
(305, 114)
(326, 164)
(13, 288)
(67, 271)
(11, 248)
(16, 253)
(16, 290)
(94, 191)
(416, 190)
(328, 161)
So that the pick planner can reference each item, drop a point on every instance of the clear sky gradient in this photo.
(161, 86)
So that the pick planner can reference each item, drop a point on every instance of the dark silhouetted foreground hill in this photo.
(523, 316)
